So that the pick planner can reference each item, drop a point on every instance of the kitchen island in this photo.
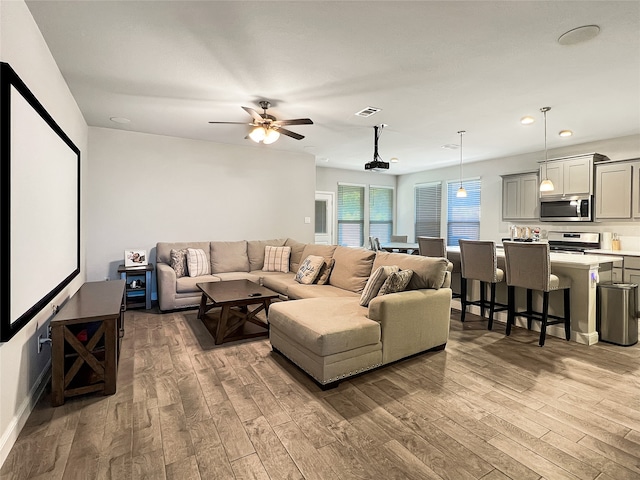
(585, 272)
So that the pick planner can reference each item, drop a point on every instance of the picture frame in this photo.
(135, 257)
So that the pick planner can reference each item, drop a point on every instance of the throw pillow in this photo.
(276, 259)
(179, 262)
(325, 272)
(197, 262)
(396, 282)
(376, 280)
(309, 269)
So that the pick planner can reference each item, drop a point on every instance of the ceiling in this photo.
(433, 67)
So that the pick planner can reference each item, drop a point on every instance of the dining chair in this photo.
(398, 238)
(479, 262)
(373, 244)
(432, 247)
(528, 266)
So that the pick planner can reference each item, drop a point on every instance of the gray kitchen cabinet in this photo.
(570, 175)
(635, 182)
(613, 190)
(520, 199)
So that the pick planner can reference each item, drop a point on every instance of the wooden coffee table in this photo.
(235, 321)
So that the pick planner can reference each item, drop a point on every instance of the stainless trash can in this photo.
(616, 319)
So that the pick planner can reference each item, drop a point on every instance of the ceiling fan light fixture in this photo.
(271, 136)
(258, 134)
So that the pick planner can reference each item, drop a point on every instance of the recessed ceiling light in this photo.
(394, 160)
(527, 120)
(565, 133)
(120, 120)
(451, 146)
(579, 35)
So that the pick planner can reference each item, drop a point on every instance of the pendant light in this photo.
(462, 193)
(546, 185)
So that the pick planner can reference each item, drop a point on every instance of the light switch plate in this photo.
(307, 219)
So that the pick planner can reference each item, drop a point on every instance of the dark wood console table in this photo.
(85, 337)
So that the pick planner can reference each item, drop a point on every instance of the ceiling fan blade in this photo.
(256, 116)
(295, 121)
(289, 133)
(233, 123)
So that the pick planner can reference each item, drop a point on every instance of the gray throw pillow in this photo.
(396, 282)
(179, 262)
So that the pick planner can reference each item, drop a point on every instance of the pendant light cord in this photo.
(461, 132)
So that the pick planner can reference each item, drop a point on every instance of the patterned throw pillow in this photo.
(276, 259)
(197, 262)
(309, 269)
(325, 272)
(179, 262)
(376, 280)
(396, 282)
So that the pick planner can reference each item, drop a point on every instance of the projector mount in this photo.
(377, 164)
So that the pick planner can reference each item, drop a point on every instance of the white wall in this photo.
(491, 225)
(148, 188)
(22, 369)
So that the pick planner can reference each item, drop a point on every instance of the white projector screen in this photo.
(40, 206)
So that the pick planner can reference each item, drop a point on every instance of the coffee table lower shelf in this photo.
(238, 330)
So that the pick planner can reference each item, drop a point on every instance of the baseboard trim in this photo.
(10, 435)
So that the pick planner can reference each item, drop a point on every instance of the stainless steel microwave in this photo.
(568, 209)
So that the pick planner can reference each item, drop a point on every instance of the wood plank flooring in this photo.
(488, 407)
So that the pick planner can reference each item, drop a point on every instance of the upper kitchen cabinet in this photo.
(570, 175)
(520, 196)
(635, 182)
(613, 190)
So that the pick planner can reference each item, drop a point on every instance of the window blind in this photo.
(428, 203)
(381, 213)
(350, 215)
(463, 214)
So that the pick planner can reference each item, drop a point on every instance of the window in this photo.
(350, 215)
(381, 213)
(427, 208)
(463, 214)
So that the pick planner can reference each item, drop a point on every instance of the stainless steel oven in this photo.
(569, 209)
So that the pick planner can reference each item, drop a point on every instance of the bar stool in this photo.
(528, 266)
(479, 262)
(432, 247)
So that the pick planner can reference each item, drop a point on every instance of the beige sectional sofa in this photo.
(326, 331)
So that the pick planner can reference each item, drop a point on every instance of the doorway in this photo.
(324, 218)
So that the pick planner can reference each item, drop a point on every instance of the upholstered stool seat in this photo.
(529, 266)
(479, 262)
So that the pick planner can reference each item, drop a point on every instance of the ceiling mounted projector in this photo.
(377, 164)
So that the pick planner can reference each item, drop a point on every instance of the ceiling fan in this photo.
(266, 128)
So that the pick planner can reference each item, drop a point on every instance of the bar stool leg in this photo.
(545, 314)
(483, 298)
(511, 308)
(567, 313)
(492, 305)
(463, 297)
(529, 307)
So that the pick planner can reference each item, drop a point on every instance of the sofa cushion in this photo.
(229, 257)
(179, 262)
(163, 249)
(396, 282)
(376, 280)
(325, 272)
(309, 269)
(428, 272)
(352, 268)
(296, 253)
(276, 259)
(188, 284)
(197, 262)
(255, 251)
(297, 291)
(326, 326)
(278, 281)
(325, 251)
